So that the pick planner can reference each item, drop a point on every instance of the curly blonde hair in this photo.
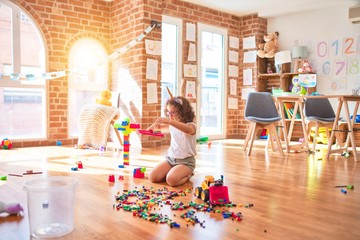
(183, 107)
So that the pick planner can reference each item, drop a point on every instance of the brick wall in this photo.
(250, 26)
(61, 23)
(114, 24)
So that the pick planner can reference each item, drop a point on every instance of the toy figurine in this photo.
(11, 208)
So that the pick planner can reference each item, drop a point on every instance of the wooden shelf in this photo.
(268, 75)
(281, 79)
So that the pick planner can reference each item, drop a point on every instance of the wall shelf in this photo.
(268, 78)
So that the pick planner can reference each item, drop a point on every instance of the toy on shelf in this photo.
(269, 68)
(270, 47)
(11, 208)
(306, 68)
(151, 133)
(213, 191)
(296, 87)
(6, 143)
(127, 128)
(139, 172)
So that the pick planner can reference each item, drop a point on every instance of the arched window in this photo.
(22, 57)
(89, 75)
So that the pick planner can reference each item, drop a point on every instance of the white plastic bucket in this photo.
(50, 203)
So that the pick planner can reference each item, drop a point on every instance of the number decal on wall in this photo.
(335, 46)
(326, 68)
(322, 49)
(349, 46)
(340, 68)
(354, 67)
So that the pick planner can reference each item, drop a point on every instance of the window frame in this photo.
(16, 65)
(178, 84)
(84, 86)
(224, 32)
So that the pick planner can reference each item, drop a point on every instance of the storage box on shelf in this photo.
(341, 135)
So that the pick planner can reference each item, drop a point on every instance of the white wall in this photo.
(328, 25)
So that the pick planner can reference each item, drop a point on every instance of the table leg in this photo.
(350, 124)
(292, 123)
(335, 127)
(306, 141)
(285, 132)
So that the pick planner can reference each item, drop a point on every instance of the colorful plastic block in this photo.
(138, 174)
(111, 178)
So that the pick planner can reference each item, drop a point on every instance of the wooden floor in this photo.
(293, 197)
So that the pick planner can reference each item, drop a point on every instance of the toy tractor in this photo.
(213, 191)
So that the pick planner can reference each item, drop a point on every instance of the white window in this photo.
(89, 76)
(22, 54)
(212, 77)
(171, 57)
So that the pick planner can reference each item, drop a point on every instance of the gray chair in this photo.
(261, 112)
(318, 111)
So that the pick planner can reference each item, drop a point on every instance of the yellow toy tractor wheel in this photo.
(198, 192)
(205, 195)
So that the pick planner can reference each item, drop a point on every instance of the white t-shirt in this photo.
(182, 145)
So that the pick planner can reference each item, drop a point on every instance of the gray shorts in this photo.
(189, 161)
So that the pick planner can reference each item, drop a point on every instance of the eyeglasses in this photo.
(172, 113)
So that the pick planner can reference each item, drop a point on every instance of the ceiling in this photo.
(270, 8)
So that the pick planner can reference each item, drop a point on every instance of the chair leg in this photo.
(255, 126)
(276, 136)
(269, 141)
(315, 136)
(308, 132)
(117, 133)
(248, 135)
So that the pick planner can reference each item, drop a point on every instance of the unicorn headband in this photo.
(178, 100)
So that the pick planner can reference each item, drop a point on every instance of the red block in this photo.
(111, 178)
(134, 125)
(138, 173)
(80, 165)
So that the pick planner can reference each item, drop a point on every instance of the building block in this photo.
(126, 127)
(139, 172)
(80, 165)
(111, 178)
(151, 133)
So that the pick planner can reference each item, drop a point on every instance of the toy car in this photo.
(213, 191)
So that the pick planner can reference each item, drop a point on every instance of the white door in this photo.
(211, 88)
